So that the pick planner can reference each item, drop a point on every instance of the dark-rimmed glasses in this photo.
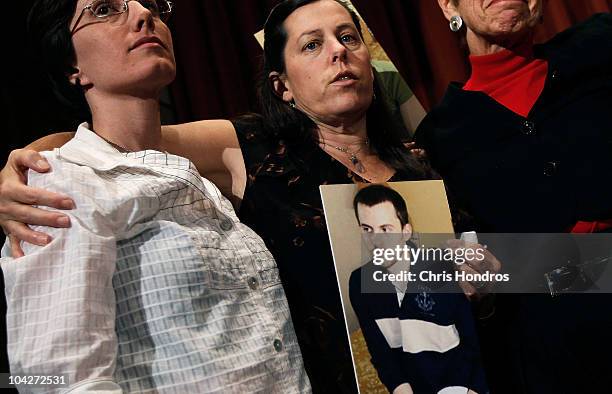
(103, 9)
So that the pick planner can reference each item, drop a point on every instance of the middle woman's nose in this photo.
(338, 52)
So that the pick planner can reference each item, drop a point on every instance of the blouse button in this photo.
(278, 345)
(253, 283)
(528, 127)
(555, 75)
(226, 225)
(298, 242)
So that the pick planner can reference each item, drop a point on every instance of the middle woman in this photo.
(321, 123)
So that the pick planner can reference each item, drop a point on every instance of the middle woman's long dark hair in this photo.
(295, 128)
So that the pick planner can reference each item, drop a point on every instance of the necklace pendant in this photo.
(355, 161)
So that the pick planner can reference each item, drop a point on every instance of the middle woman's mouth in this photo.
(344, 77)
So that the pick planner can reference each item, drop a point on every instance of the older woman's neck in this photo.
(132, 123)
(480, 45)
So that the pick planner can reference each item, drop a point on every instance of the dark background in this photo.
(218, 62)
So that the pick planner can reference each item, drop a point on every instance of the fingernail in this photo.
(63, 221)
(42, 164)
(43, 239)
(67, 204)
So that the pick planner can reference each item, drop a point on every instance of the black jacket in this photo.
(544, 172)
(538, 174)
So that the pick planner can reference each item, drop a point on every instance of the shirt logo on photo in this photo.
(425, 302)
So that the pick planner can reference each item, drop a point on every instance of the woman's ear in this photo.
(448, 8)
(77, 78)
(280, 86)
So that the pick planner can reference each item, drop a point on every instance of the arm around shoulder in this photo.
(212, 145)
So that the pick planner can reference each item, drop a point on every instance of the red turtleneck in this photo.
(515, 79)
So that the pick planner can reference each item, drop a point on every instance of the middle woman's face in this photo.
(327, 65)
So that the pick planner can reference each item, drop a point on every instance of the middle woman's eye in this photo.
(311, 46)
(348, 39)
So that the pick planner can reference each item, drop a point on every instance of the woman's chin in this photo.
(159, 74)
(513, 22)
(163, 69)
(352, 106)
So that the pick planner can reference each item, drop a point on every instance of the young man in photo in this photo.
(420, 341)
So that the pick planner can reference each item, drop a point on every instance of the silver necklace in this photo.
(352, 155)
(118, 147)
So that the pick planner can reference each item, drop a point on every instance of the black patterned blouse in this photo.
(283, 205)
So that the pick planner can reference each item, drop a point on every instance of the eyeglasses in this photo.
(103, 9)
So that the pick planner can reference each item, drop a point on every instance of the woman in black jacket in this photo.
(525, 146)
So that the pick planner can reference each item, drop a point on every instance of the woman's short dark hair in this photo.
(295, 128)
(51, 43)
(377, 194)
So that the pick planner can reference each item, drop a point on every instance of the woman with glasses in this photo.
(156, 287)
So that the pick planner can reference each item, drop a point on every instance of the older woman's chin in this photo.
(507, 32)
(515, 21)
